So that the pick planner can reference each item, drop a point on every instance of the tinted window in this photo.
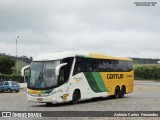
(65, 70)
(101, 65)
(130, 66)
(123, 66)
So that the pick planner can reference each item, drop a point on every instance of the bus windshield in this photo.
(42, 75)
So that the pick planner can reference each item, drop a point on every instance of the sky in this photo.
(118, 28)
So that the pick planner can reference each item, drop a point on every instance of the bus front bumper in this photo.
(39, 99)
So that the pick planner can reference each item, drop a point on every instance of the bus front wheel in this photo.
(75, 97)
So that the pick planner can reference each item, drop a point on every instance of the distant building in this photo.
(158, 62)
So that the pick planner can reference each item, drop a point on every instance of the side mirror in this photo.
(58, 68)
(23, 69)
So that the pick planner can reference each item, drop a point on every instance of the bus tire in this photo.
(123, 91)
(75, 97)
(117, 92)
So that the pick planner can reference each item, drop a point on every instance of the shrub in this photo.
(13, 77)
(147, 72)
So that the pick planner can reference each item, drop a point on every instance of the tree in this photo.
(6, 64)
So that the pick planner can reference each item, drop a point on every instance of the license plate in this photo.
(39, 99)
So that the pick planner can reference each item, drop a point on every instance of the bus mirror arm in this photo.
(58, 68)
(23, 70)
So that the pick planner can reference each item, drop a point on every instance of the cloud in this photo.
(110, 27)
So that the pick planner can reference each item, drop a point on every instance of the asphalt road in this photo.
(146, 97)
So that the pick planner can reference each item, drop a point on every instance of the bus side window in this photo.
(61, 78)
(124, 66)
(65, 71)
(103, 66)
(130, 66)
(78, 66)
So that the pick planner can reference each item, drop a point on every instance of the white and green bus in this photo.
(72, 76)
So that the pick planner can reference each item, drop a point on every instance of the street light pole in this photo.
(16, 55)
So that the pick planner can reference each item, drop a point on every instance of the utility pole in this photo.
(17, 54)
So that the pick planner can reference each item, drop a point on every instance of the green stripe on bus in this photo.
(46, 91)
(99, 81)
(92, 82)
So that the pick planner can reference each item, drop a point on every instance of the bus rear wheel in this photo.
(117, 92)
(75, 97)
(123, 91)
